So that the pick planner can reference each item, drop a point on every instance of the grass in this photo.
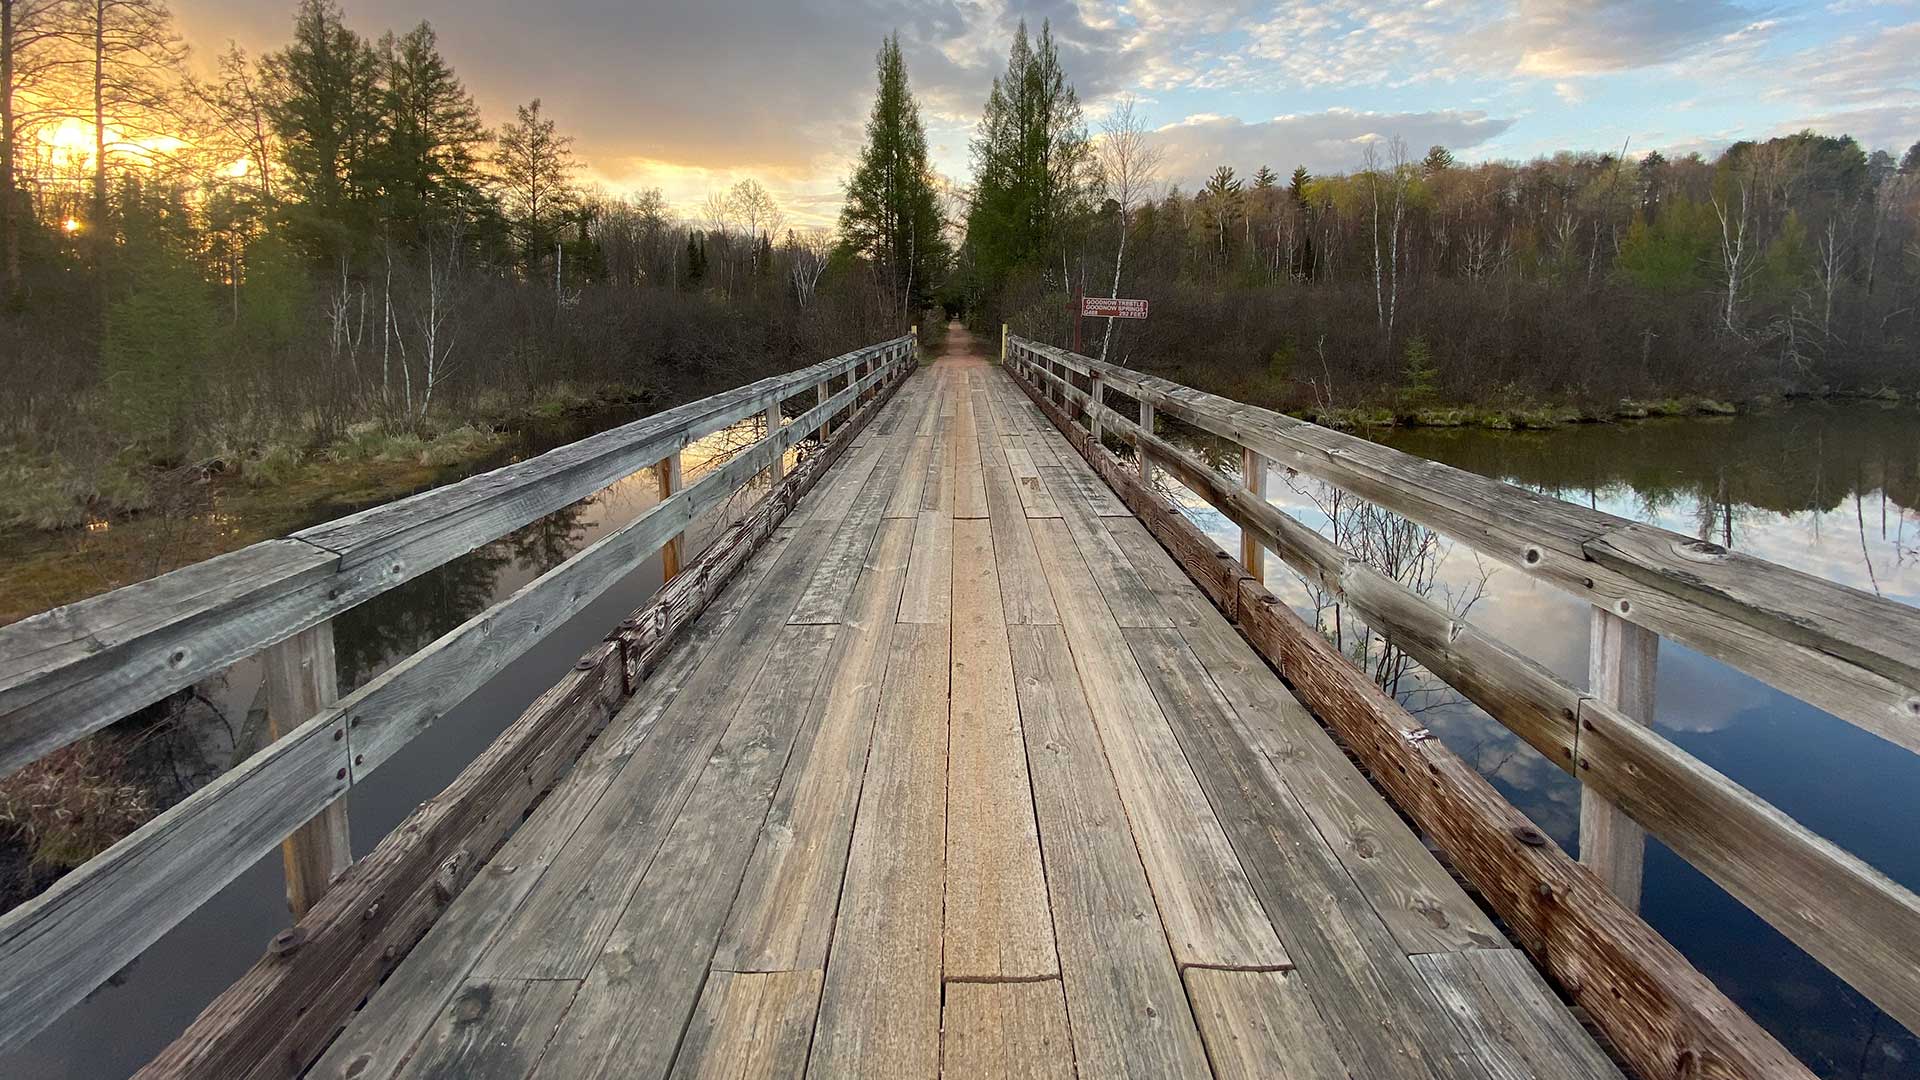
(72, 804)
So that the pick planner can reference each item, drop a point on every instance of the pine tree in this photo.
(1297, 190)
(892, 214)
(326, 110)
(429, 157)
(1438, 160)
(1030, 160)
(1265, 179)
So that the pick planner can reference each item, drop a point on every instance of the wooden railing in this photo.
(1848, 652)
(73, 670)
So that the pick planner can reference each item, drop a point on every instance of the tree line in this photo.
(269, 249)
(1780, 266)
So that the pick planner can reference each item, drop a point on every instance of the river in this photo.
(1829, 488)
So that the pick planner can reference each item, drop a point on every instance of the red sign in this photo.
(1095, 307)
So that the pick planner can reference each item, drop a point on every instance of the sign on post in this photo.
(1100, 307)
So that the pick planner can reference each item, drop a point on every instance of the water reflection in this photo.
(1829, 489)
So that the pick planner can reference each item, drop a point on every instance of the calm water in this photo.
(1830, 489)
(123, 1024)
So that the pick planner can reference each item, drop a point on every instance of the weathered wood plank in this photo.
(627, 1019)
(1006, 1031)
(1515, 1025)
(1413, 894)
(379, 1037)
(938, 492)
(997, 922)
(905, 502)
(1123, 990)
(1263, 1025)
(880, 1010)
(751, 1026)
(1209, 909)
(493, 1028)
(1381, 1016)
(830, 582)
(783, 917)
(928, 596)
(1024, 594)
(562, 926)
(1131, 602)
(1034, 494)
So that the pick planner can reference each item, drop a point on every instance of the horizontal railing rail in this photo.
(279, 597)
(1855, 920)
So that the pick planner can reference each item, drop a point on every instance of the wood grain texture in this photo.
(627, 1018)
(1621, 663)
(1381, 1016)
(1209, 909)
(1262, 1025)
(1129, 1010)
(1035, 496)
(783, 917)
(301, 681)
(1006, 1031)
(1409, 889)
(880, 1009)
(751, 1026)
(928, 595)
(997, 922)
(1517, 1028)
(493, 1028)
(1127, 596)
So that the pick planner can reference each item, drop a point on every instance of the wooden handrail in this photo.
(1849, 916)
(68, 672)
(59, 946)
(1848, 652)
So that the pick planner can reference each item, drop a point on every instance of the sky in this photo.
(693, 97)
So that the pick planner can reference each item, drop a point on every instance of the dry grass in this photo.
(73, 804)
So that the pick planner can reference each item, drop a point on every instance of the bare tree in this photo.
(807, 255)
(26, 32)
(757, 213)
(1129, 167)
(1386, 278)
(1737, 252)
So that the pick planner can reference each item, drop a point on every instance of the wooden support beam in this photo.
(1003, 344)
(1141, 457)
(1093, 415)
(1253, 468)
(668, 473)
(777, 470)
(820, 396)
(1621, 661)
(301, 681)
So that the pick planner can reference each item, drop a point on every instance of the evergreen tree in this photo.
(326, 110)
(1304, 261)
(892, 215)
(534, 163)
(1439, 159)
(1030, 160)
(1265, 179)
(429, 159)
(1910, 161)
(1221, 201)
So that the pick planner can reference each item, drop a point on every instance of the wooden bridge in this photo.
(962, 753)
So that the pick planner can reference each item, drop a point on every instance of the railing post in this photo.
(820, 396)
(1003, 344)
(778, 470)
(1140, 448)
(1621, 661)
(301, 681)
(668, 473)
(1095, 397)
(1253, 468)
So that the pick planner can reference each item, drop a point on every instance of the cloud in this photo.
(1558, 38)
(1327, 141)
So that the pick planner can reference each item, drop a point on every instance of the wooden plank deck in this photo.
(964, 778)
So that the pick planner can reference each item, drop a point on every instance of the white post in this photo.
(1253, 468)
(1621, 662)
(300, 682)
(1094, 399)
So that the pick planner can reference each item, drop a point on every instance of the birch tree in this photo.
(1129, 167)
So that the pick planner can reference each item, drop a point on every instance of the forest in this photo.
(235, 264)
